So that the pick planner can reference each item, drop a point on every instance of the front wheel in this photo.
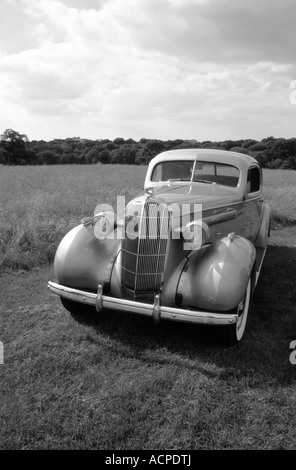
(233, 334)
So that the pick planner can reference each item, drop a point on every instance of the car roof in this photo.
(219, 156)
(239, 160)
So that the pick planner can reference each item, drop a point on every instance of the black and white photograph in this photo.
(147, 228)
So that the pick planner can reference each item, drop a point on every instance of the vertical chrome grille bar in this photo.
(162, 235)
(142, 277)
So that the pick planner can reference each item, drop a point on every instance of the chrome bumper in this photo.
(156, 311)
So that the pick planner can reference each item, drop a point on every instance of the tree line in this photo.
(16, 149)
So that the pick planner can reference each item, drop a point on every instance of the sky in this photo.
(158, 69)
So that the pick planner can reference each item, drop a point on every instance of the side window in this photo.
(253, 180)
(156, 175)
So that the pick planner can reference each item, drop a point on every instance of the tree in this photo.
(125, 154)
(15, 144)
(187, 144)
(239, 150)
(261, 158)
(248, 143)
(49, 157)
(97, 154)
(149, 150)
(118, 141)
(257, 147)
(3, 155)
(229, 144)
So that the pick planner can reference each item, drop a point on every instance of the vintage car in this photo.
(189, 249)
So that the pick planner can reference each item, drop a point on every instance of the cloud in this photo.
(215, 31)
(155, 68)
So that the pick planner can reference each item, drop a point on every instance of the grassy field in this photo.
(38, 205)
(280, 192)
(117, 381)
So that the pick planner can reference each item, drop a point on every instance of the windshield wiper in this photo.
(204, 181)
(178, 179)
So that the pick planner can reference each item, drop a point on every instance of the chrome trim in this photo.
(241, 201)
(231, 236)
(260, 266)
(229, 214)
(87, 221)
(156, 309)
(99, 298)
(144, 257)
(251, 197)
(167, 313)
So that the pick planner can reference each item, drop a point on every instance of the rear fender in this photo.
(82, 260)
(216, 277)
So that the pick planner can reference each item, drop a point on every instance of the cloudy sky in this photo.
(165, 69)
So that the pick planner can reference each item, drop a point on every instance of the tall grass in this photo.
(39, 204)
(280, 193)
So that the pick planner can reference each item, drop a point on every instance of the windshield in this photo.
(196, 171)
(176, 170)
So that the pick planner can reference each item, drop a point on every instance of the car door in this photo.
(252, 204)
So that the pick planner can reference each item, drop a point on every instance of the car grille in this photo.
(144, 254)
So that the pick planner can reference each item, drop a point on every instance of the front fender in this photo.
(216, 277)
(264, 231)
(82, 260)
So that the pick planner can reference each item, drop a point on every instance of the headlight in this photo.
(196, 234)
(104, 223)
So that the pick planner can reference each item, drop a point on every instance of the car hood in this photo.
(209, 195)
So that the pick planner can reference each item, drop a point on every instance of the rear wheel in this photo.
(233, 334)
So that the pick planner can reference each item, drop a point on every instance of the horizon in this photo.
(162, 140)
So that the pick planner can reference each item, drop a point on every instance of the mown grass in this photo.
(117, 381)
(38, 205)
